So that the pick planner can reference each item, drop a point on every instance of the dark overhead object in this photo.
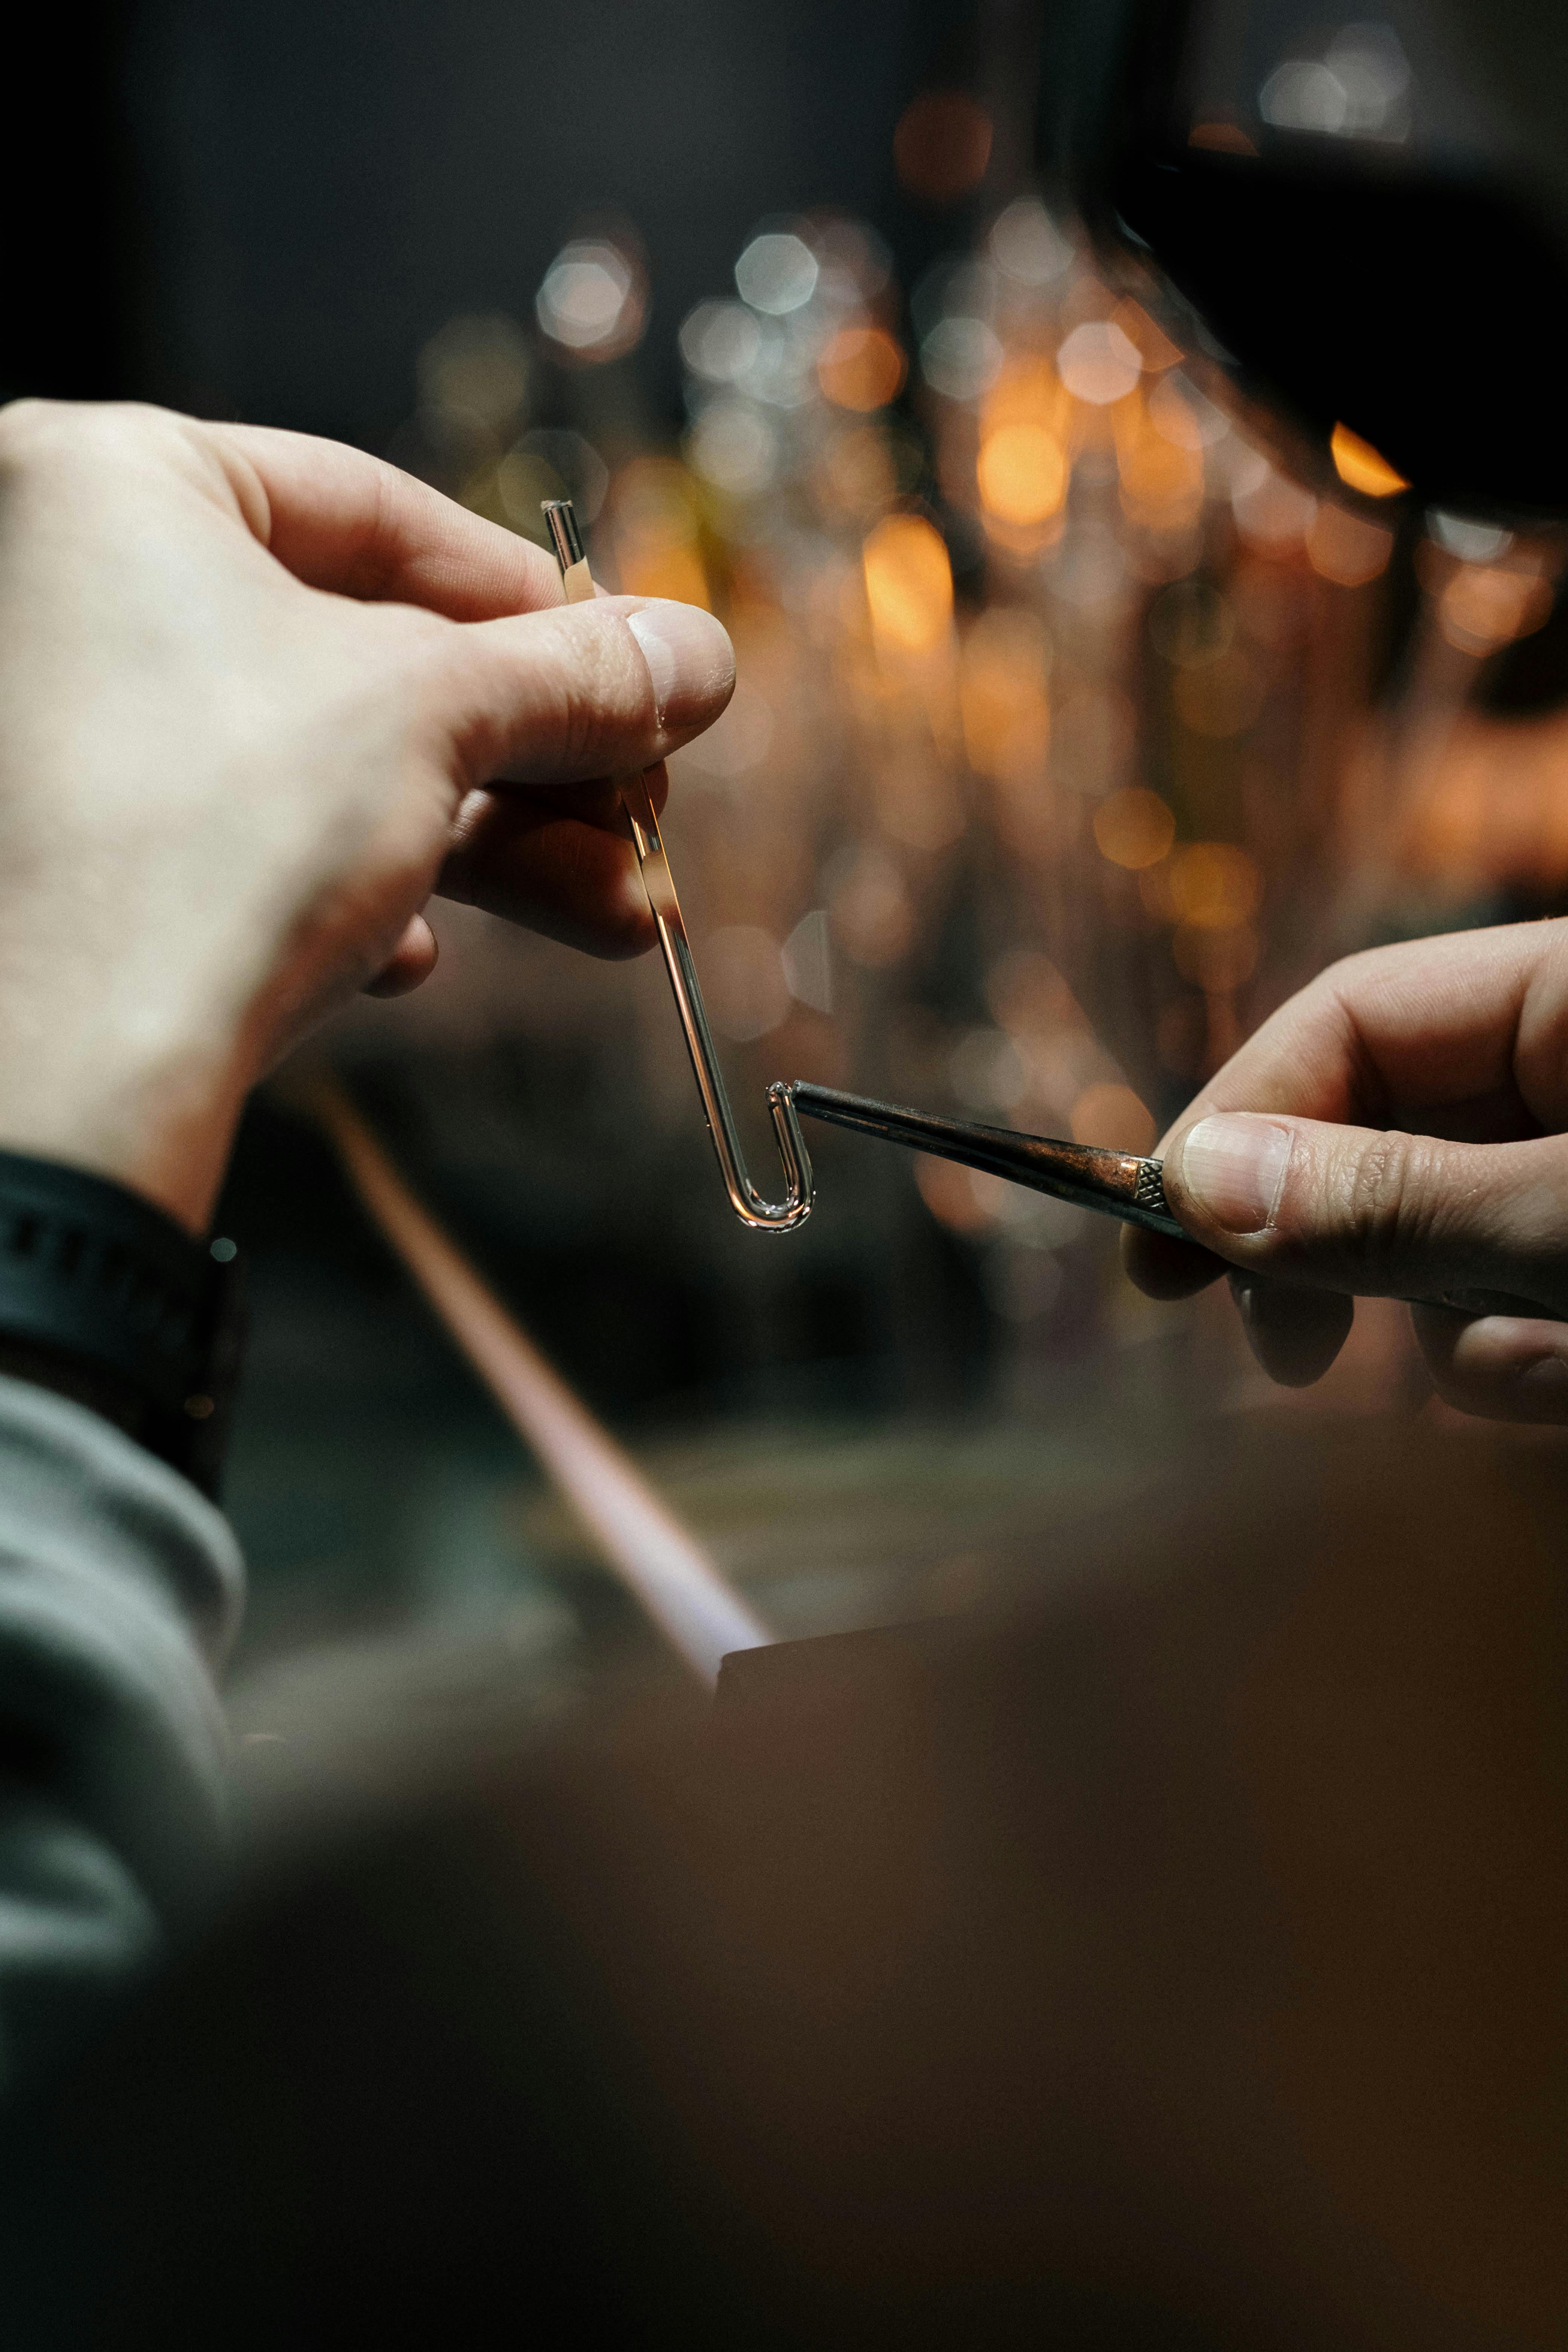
(1365, 220)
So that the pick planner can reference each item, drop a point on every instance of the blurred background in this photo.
(1070, 738)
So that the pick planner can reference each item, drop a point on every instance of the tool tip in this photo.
(561, 524)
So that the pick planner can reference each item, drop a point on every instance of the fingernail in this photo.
(1548, 1372)
(1235, 1169)
(690, 659)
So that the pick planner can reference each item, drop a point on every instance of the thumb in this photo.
(581, 690)
(1376, 1212)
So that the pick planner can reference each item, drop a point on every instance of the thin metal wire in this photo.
(764, 1216)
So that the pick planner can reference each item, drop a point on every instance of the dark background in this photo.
(263, 211)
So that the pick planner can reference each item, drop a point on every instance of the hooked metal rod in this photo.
(764, 1216)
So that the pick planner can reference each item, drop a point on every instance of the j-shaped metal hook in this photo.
(764, 1216)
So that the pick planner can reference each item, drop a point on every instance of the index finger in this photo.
(341, 520)
(1459, 1036)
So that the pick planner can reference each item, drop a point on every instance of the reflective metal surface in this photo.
(561, 521)
(764, 1216)
(1116, 1183)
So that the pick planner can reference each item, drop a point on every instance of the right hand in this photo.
(1396, 1130)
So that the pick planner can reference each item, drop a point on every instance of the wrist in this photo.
(160, 1123)
(108, 1301)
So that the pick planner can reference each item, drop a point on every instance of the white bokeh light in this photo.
(720, 340)
(589, 300)
(960, 357)
(1303, 95)
(1026, 245)
(735, 447)
(1099, 364)
(1472, 542)
(777, 273)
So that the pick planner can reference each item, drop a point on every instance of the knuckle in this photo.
(45, 437)
(27, 425)
(1334, 977)
(602, 704)
(1389, 1195)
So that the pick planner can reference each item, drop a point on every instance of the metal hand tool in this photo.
(1116, 1183)
(764, 1216)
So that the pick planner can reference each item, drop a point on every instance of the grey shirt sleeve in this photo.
(120, 1590)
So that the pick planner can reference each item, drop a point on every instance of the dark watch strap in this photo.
(109, 1300)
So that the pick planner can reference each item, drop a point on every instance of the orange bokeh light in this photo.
(1134, 829)
(942, 145)
(1362, 467)
(952, 1195)
(657, 535)
(1001, 696)
(862, 369)
(1162, 479)
(1344, 549)
(1494, 812)
(1216, 960)
(1215, 886)
(1112, 1116)
(908, 584)
(1221, 138)
(664, 571)
(1027, 392)
(1022, 473)
(1484, 607)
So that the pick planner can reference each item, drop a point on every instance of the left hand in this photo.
(260, 695)
(1398, 1129)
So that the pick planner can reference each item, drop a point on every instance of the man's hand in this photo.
(260, 695)
(1396, 1130)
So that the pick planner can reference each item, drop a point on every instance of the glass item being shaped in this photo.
(1116, 1183)
(764, 1216)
